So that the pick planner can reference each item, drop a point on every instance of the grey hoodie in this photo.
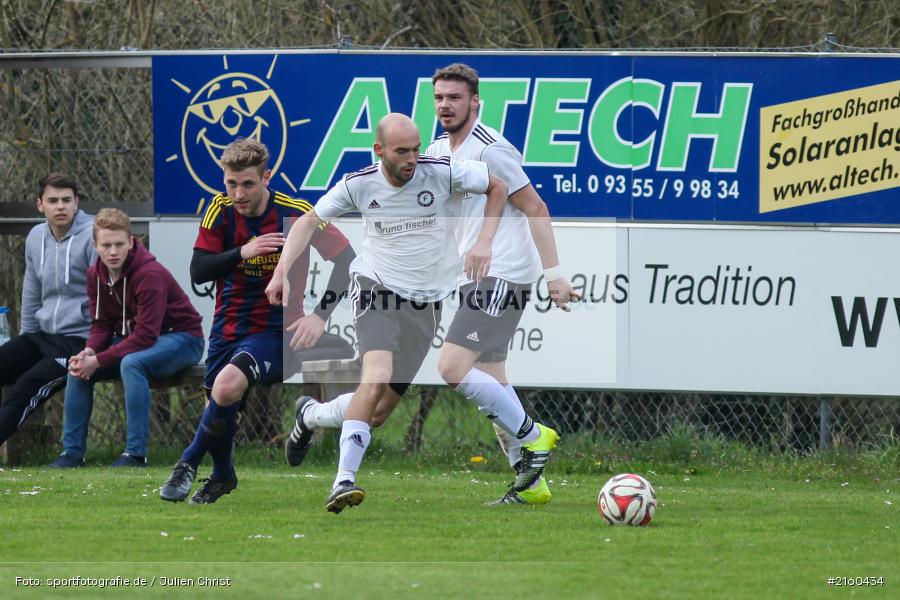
(54, 293)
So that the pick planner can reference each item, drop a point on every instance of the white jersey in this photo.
(408, 242)
(514, 255)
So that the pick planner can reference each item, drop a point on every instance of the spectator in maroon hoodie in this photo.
(143, 327)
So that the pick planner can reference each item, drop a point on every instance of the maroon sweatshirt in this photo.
(154, 304)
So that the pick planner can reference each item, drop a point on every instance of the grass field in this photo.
(423, 532)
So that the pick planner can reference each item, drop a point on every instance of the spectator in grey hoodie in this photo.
(55, 312)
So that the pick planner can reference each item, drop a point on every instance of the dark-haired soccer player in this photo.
(473, 357)
(238, 246)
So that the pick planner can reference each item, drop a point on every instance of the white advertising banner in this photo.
(782, 311)
(680, 308)
(550, 348)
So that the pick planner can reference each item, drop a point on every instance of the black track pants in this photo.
(35, 364)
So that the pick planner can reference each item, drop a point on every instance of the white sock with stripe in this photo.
(355, 438)
(492, 399)
(514, 446)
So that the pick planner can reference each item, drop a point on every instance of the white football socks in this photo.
(329, 415)
(514, 445)
(355, 438)
(495, 402)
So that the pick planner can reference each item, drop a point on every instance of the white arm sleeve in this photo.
(471, 176)
(505, 162)
(335, 202)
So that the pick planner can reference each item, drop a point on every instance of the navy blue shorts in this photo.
(263, 348)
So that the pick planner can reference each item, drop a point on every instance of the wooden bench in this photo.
(34, 433)
(322, 379)
(332, 377)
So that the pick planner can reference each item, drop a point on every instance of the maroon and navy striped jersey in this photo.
(241, 304)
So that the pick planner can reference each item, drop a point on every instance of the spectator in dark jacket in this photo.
(143, 327)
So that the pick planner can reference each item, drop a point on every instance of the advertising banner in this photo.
(551, 348)
(781, 311)
(676, 138)
(743, 310)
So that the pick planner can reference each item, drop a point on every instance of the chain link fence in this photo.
(96, 122)
(438, 421)
(776, 423)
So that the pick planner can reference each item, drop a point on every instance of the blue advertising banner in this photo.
(689, 137)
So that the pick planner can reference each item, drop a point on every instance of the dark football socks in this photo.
(215, 424)
(220, 451)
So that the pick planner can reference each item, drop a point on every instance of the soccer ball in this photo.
(627, 499)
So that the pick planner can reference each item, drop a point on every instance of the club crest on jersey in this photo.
(425, 198)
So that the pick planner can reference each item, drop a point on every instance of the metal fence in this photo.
(91, 115)
(438, 421)
(93, 122)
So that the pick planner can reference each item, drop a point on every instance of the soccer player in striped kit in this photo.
(238, 246)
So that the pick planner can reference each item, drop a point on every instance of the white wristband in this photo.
(553, 273)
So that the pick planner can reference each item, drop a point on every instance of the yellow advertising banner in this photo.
(829, 147)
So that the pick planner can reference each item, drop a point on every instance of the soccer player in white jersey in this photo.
(473, 358)
(408, 263)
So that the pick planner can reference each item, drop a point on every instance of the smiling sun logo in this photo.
(229, 106)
